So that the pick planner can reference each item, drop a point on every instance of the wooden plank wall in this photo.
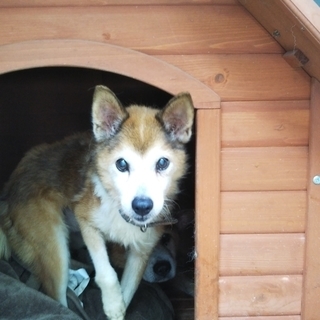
(296, 25)
(263, 205)
(264, 134)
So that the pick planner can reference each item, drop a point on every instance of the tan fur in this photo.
(81, 173)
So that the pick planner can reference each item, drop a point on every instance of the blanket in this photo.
(21, 298)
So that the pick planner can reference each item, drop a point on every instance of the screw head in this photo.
(276, 33)
(316, 180)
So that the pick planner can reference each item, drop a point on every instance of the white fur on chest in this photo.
(108, 220)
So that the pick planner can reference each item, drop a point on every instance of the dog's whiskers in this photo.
(172, 203)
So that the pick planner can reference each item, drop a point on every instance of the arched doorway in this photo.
(159, 74)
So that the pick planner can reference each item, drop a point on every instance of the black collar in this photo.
(164, 221)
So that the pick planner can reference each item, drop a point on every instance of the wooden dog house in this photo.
(253, 69)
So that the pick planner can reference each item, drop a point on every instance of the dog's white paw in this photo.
(115, 311)
(113, 303)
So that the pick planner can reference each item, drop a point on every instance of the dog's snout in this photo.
(142, 205)
(162, 268)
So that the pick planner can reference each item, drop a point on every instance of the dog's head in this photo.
(140, 152)
(162, 263)
(172, 257)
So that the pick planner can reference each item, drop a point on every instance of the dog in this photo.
(172, 258)
(120, 180)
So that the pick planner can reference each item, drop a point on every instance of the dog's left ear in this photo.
(177, 117)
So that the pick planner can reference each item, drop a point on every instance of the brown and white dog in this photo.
(119, 181)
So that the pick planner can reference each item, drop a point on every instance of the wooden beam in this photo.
(311, 291)
(207, 214)
(307, 11)
(94, 55)
(104, 3)
(263, 318)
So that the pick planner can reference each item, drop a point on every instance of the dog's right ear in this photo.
(107, 113)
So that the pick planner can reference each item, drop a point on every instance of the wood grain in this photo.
(260, 296)
(262, 318)
(199, 29)
(87, 3)
(224, 48)
(263, 212)
(106, 57)
(261, 254)
(265, 123)
(207, 231)
(311, 292)
(264, 169)
(244, 77)
(295, 30)
(308, 12)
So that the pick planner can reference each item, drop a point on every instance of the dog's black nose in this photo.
(142, 205)
(162, 268)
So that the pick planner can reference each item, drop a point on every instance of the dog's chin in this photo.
(139, 221)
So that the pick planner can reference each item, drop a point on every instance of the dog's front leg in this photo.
(106, 277)
(133, 271)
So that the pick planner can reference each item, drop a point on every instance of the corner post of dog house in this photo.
(207, 213)
(311, 285)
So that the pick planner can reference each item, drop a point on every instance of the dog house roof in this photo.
(295, 24)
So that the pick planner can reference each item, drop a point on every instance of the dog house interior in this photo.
(253, 70)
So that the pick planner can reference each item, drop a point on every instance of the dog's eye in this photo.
(162, 164)
(122, 165)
